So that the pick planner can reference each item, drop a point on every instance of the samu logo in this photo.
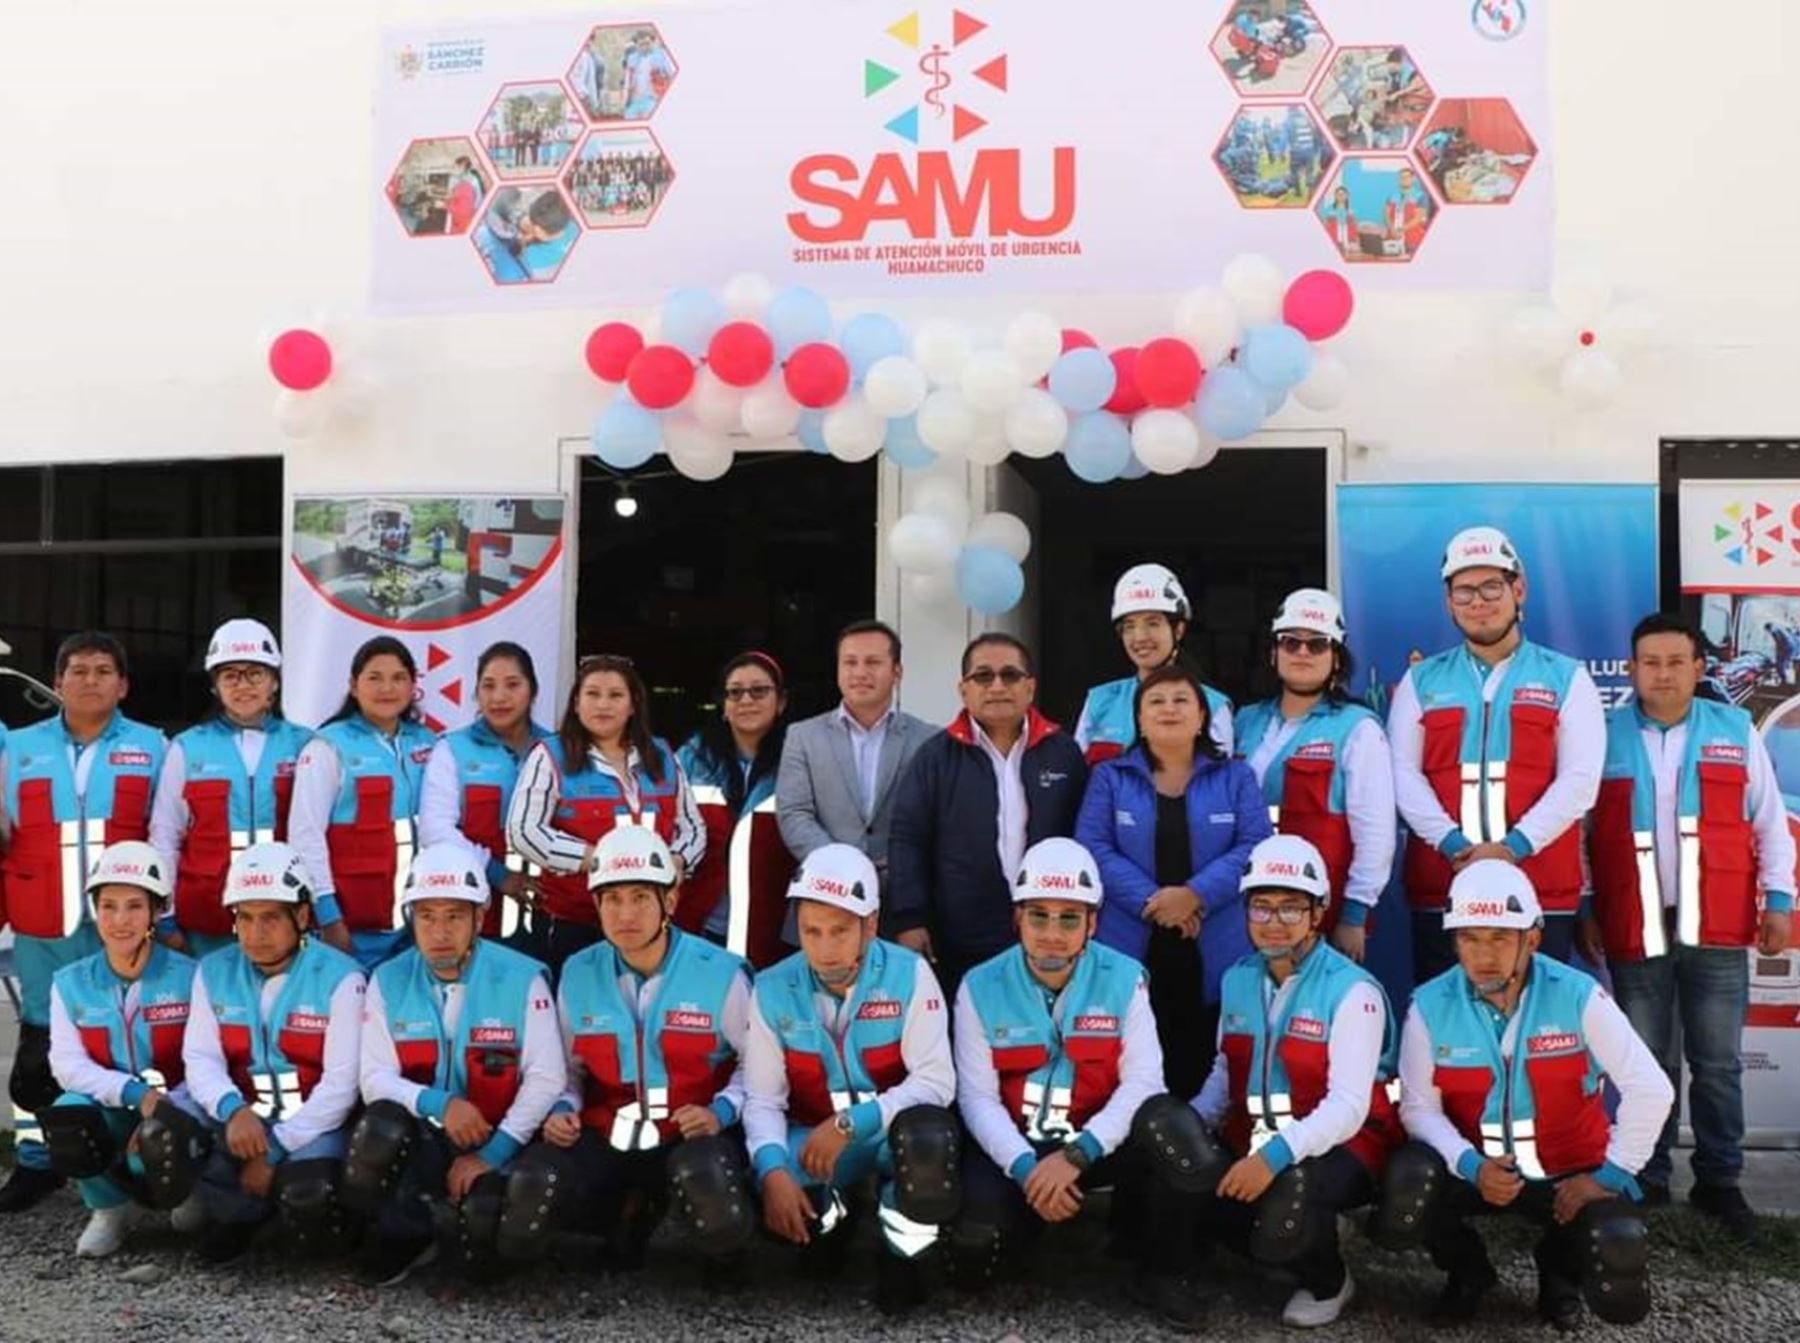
(1498, 20)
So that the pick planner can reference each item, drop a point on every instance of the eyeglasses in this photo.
(1317, 645)
(247, 676)
(1291, 916)
(1464, 594)
(1006, 676)
(1042, 920)
(738, 693)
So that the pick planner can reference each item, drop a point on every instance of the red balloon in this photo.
(1168, 372)
(659, 377)
(300, 359)
(611, 348)
(741, 354)
(1127, 397)
(1074, 338)
(1318, 304)
(817, 375)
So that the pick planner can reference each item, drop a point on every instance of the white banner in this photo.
(868, 147)
(446, 576)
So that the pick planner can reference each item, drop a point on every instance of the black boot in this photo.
(1170, 1299)
(899, 1284)
(1462, 1293)
(28, 1187)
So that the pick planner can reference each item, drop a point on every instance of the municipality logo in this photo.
(1749, 535)
(408, 62)
(936, 76)
(1498, 20)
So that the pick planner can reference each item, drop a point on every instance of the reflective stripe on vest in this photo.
(634, 1125)
(1523, 1147)
(737, 889)
(404, 844)
(76, 839)
(1277, 1112)
(1046, 1116)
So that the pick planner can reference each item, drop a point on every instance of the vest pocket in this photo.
(493, 1079)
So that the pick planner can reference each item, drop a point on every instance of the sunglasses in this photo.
(1291, 916)
(1006, 676)
(1464, 594)
(738, 693)
(1317, 644)
(1042, 920)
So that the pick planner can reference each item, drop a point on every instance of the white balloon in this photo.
(946, 422)
(354, 394)
(746, 295)
(942, 348)
(1005, 531)
(1541, 336)
(1326, 385)
(988, 447)
(946, 497)
(1034, 341)
(301, 414)
(1209, 449)
(1589, 378)
(852, 430)
(1166, 441)
(1629, 329)
(715, 403)
(696, 451)
(1581, 294)
(1254, 285)
(895, 386)
(992, 381)
(768, 411)
(1208, 321)
(922, 543)
(1036, 425)
(933, 589)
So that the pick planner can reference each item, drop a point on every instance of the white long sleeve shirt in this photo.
(1353, 1058)
(996, 1128)
(543, 1073)
(1368, 769)
(1013, 811)
(924, 1049)
(1645, 1093)
(318, 774)
(440, 800)
(531, 826)
(170, 815)
(1580, 761)
(332, 1099)
(77, 1070)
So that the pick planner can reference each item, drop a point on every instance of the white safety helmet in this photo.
(1492, 893)
(839, 875)
(131, 862)
(447, 870)
(631, 853)
(1150, 587)
(1310, 609)
(1287, 863)
(1057, 869)
(1480, 548)
(243, 641)
(271, 870)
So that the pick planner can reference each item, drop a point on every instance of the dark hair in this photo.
(506, 648)
(856, 627)
(574, 737)
(380, 645)
(1175, 673)
(90, 641)
(716, 744)
(1004, 640)
(549, 212)
(1661, 622)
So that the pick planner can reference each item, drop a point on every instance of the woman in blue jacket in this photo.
(1171, 824)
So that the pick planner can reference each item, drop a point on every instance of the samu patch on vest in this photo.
(420, 754)
(493, 1035)
(1535, 694)
(879, 1009)
(1096, 1022)
(1309, 1027)
(129, 759)
(1553, 1042)
(163, 1014)
(1316, 750)
(1724, 752)
(313, 1023)
(688, 1019)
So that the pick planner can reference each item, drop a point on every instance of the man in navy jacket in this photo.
(975, 797)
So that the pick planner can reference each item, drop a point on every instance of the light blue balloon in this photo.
(1082, 380)
(869, 336)
(797, 316)
(1273, 398)
(989, 579)
(626, 435)
(689, 319)
(1134, 469)
(1276, 355)
(1231, 404)
(1098, 447)
(811, 432)
(904, 447)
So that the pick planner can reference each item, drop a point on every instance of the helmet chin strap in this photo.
(1493, 988)
(1294, 951)
(838, 977)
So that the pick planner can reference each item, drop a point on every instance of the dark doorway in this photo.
(1241, 534)
(778, 555)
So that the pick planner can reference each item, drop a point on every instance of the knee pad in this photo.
(307, 1194)
(1183, 1154)
(478, 1228)
(710, 1183)
(536, 1192)
(927, 1145)
(1410, 1189)
(1280, 1223)
(1615, 1277)
(173, 1145)
(379, 1145)
(977, 1252)
(33, 1086)
(79, 1142)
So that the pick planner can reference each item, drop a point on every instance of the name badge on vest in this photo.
(166, 1014)
(1722, 752)
(494, 1036)
(879, 1009)
(687, 1019)
(1096, 1022)
(1307, 1028)
(1539, 695)
(312, 1023)
(129, 759)
(1552, 1042)
(1316, 750)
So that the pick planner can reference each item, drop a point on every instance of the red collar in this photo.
(1037, 727)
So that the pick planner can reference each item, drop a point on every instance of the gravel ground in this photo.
(155, 1290)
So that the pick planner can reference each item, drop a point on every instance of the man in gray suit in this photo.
(838, 769)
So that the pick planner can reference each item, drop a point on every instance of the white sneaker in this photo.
(105, 1232)
(189, 1216)
(1306, 1311)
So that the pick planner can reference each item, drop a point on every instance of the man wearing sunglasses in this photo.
(1498, 747)
(997, 780)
